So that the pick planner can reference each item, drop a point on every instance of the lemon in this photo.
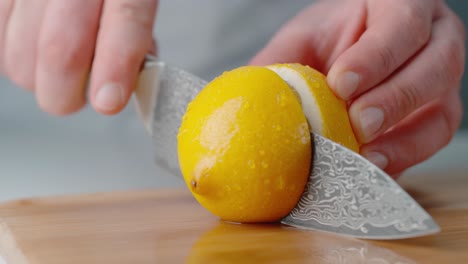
(244, 146)
(244, 143)
(327, 114)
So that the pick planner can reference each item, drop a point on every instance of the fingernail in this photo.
(371, 120)
(347, 84)
(110, 96)
(378, 159)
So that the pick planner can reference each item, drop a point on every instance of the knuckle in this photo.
(451, 53)
(418, 23)
(457, 23)
(59, 52)
(387, 58)
(411, 10)
(406, 98)
(136, 10)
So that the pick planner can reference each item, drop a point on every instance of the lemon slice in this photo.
(327, 114)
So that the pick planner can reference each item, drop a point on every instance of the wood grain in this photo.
(168, 226)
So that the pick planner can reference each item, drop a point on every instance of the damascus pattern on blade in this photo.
(349, 195)
(177, 89)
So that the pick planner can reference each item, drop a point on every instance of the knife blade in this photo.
(349, 195)
(345, 194)
(162, 95)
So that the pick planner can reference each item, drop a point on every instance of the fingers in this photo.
(21, 36)
(395, 31)
(292, 43)
(289, 45)
(316, 36)
(5, 10)
(430, 74)
(66, 51)
(125, 36)
(418, 137)
(54, 58)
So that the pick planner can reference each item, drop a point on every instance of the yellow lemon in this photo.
(326, 113)
(244, 143)
(244, 146)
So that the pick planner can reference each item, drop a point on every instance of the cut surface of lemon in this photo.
(244, 146)
(327, 114)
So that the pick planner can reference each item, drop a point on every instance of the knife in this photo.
(345, 194)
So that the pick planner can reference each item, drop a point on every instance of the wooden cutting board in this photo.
(168, 226)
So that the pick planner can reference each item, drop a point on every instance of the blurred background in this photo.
(87, 152)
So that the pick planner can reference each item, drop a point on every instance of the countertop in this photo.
(169, 226)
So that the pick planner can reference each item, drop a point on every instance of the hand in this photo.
(397, 62)
(51, 47)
